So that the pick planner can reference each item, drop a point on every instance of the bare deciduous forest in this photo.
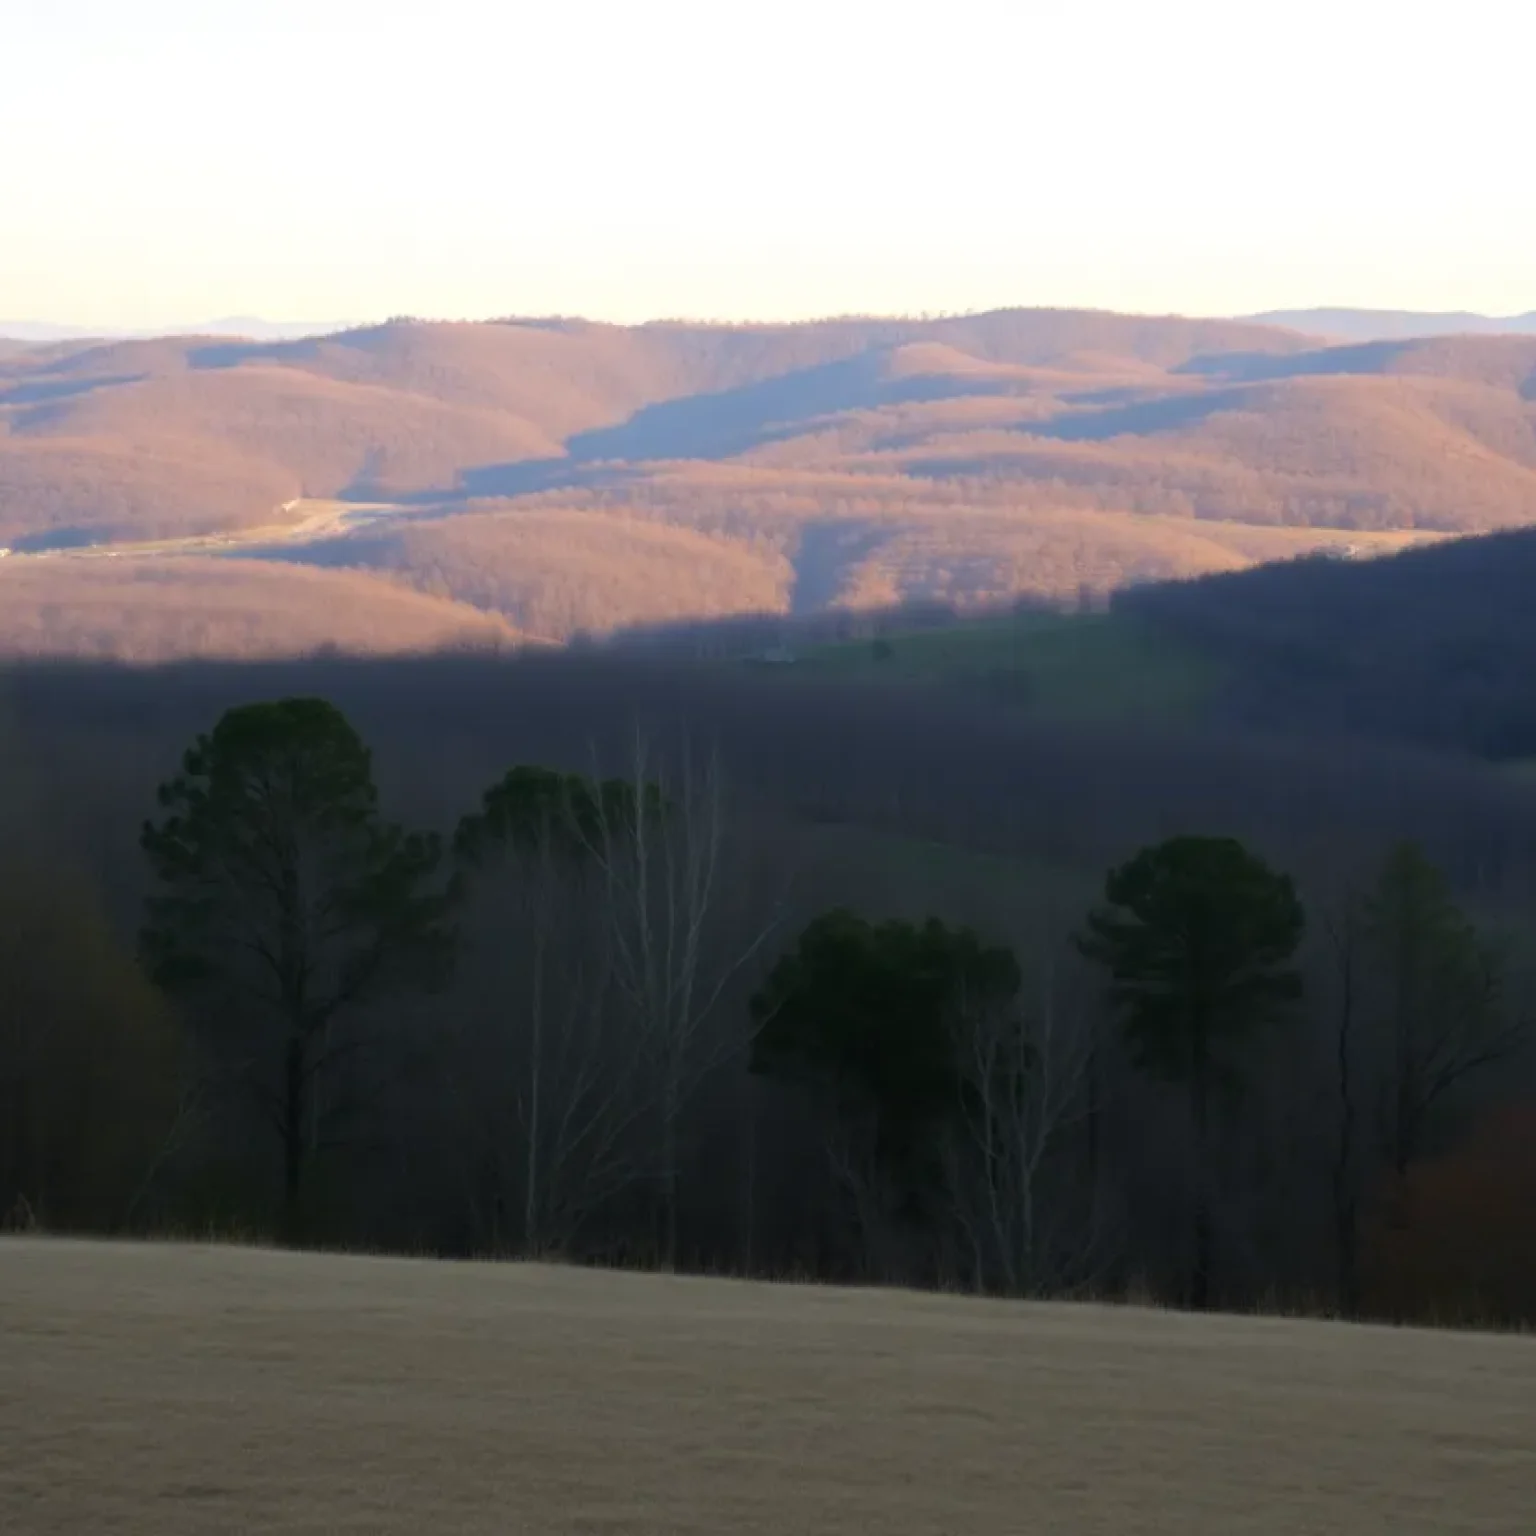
(563, 477)
(595, 1063)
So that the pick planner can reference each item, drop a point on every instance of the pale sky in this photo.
(164, 161)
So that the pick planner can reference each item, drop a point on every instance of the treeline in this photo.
(605, 962)
(1435, 646)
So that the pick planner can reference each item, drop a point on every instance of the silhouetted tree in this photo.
(1197, 935)
(286, 900)
(872, 1014)
(1024, 1083)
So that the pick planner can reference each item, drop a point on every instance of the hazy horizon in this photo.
(1348, 322)
(333, 158)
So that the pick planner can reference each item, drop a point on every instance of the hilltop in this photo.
(563, 476)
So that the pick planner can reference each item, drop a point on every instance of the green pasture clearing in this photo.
(1086, 667)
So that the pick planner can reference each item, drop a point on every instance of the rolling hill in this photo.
(563, 476)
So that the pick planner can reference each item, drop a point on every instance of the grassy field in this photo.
(168, 1390)
(1090, 667)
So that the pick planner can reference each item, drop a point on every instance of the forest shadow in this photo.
(50, 391)
(1256, 367)
(828, 551)
(713, 426)
(1167, 413)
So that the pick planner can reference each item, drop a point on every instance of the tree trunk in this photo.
(533, 1237)
(1199, 1087)
(293, 1136)
(748, 1237)
(1345, 1203)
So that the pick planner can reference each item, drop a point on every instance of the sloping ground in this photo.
(172, 1390)
(557, 571)
(872, 540)
(855, 463)
(60, 492)
(157, 610)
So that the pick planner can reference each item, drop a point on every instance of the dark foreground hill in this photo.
(1436, 645)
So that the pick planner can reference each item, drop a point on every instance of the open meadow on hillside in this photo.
(167, 1390)
(1059, 667)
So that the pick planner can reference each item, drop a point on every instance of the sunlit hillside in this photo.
(564, 476)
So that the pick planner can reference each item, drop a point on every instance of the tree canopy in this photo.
(1197, 935)
(532, 809)
(870, 1011)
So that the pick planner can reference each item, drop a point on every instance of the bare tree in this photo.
(553, 1066)
(658, 849)
(1024, 1077)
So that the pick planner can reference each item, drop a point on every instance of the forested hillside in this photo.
(1436, 646)
(534, 470)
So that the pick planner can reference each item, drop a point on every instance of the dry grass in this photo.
(167, 1390)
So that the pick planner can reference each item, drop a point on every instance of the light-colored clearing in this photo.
(167, 1389)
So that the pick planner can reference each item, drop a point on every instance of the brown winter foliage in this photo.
(792, 468)
(88, 1058)
(1457, 1236)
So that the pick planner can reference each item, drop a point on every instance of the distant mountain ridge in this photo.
(1336, 323)
(1396, 324)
